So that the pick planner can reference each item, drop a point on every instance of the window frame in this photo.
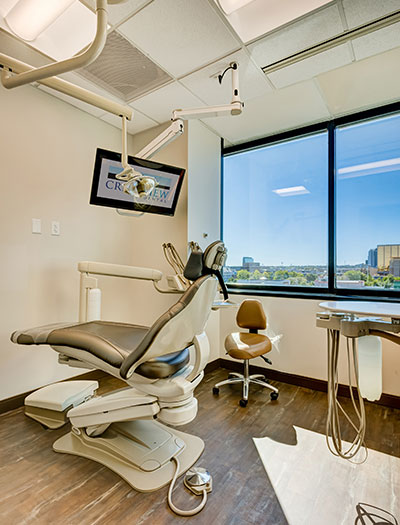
(330, 292)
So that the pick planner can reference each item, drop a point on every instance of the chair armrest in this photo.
(120, 270)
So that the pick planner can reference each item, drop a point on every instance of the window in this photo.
(368, 204)
(276, 214)
(316, 210)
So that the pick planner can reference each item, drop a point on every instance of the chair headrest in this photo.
(214, 256)
(199, 263)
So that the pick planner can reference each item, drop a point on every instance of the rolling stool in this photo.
(247, 345)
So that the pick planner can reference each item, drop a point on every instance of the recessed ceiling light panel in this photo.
(252, 19)
(29, 18)
(293, 190)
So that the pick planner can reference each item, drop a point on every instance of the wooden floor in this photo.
(38, 485)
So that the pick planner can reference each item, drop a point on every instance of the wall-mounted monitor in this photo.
(107, 190)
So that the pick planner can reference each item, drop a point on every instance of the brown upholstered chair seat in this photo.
(244, 345)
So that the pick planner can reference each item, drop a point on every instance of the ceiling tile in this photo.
(180, 35)
(273, 112)
(300, 35)
(160, 104)
(360, 12)
(262, 16)
(311, 67)
(138, 123)
(252, 81)
(377, 42)
(117, 12)
(370, 82)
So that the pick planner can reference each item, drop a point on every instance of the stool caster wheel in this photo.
(274, 396)
(243, 402)
(215, 391)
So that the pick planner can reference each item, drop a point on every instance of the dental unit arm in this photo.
(90, 293)
(362, 324)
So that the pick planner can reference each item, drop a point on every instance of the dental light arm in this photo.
(176, 127)
(57, 68)
(71, 89)
(174, 130)
(16, 73)
(132, 178)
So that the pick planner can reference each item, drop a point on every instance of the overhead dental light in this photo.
(29, 18)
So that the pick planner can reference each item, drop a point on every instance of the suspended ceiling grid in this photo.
(191, 41)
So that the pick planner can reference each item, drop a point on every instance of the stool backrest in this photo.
(251, 315)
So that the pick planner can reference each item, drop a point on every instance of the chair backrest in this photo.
(251, 315)
(176, 329)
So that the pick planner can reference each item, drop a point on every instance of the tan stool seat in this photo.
(244, 345)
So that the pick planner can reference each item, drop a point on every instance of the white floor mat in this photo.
(314, 487)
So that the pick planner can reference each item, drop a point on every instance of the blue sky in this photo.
(287, 230)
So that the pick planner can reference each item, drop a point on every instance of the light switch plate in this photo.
(36, 225)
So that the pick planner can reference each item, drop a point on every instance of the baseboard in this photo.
(320, 385)
(17, 401)
(213, 365)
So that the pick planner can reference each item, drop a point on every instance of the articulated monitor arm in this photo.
(176, 128)
(138, 185)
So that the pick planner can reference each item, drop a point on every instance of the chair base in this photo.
(140, 451)
(246, 379)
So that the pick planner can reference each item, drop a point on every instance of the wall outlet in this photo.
(55, 228)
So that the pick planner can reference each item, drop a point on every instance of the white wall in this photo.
(204, 199)
(47, 149)
(302, 347)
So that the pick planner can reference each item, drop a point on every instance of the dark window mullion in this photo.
(331, 209)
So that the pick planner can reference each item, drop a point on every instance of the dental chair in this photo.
(126, 429)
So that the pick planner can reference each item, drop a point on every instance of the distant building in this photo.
(229, 272)
(386, 252)
(249, 264)
(373, 258)
(394, 266)
(350, 284)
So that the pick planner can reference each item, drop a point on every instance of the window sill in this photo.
(348, 295)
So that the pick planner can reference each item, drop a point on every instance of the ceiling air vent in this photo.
(123, 70)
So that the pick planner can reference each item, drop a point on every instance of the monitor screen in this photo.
(107, 190)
